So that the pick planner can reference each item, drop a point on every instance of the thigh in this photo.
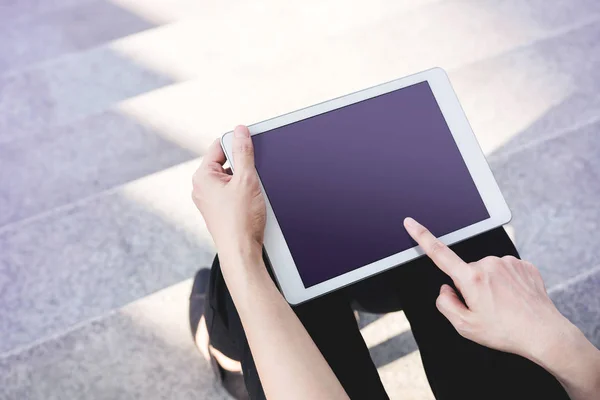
(330, 322)
(457, 367)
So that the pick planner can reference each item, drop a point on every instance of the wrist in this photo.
(575, 363)
(242, 265)
(570, 357)
(556, 340)
(242, 251)
(247, 279)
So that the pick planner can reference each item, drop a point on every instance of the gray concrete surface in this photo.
(87, 259)
(126, 355)
(94, 154)
(106, 105)
(68, 29)
(558, 219)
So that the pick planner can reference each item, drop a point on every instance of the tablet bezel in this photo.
(282, 262)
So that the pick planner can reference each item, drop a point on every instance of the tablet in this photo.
(339, 178)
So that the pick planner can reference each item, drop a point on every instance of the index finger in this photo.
(446, 260)
(214, 155)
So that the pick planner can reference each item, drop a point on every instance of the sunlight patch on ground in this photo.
(177, 114)
(165, 314)
(179, 51)
(301, 39)
(257, 34)
(510, 231)
(504, 107)
(406, 376)
(164, 11)
(229, 75)
(192, 114)
(385, 328)
(167, 194)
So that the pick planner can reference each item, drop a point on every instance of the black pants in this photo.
(456, 367)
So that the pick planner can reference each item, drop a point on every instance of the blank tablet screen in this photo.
(342, 182)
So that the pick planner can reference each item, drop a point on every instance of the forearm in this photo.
(573, 360)
(289, 364)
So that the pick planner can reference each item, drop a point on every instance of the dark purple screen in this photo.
(341, 183)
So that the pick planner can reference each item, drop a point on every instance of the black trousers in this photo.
(456, 368)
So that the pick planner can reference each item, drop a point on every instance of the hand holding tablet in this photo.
(232, 205)
(340, 177)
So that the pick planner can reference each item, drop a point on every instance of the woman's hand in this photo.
(505, 301)
(506, 307)
(232, 205)
(289, 364)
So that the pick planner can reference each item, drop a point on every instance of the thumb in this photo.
(243, 150)
(455, 311)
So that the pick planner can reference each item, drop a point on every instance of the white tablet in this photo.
(339, 178)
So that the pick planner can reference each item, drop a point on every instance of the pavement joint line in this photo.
(85, 200)
(536, 142)
(553, 34)
(85, 322)
(23, 348)
(59, 334)
(111, 108)
(574, 280)
(72, 54)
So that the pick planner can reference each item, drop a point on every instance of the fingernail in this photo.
(241, 132)
(410, 223)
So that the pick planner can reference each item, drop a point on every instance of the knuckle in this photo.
(422, 231)
(491, 260)
(459, 321)
(462, 325)
(196, 183)
(195, 197)
(246, 177)
(436, 247)
(196, 190)
(529, 265)
(476, 277)
(197, 177)
(490, 264)
(245, 147)
(510, 260)
(532, 268)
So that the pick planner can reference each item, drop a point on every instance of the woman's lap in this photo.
(455, 367)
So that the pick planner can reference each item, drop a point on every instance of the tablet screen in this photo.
(341, 183)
